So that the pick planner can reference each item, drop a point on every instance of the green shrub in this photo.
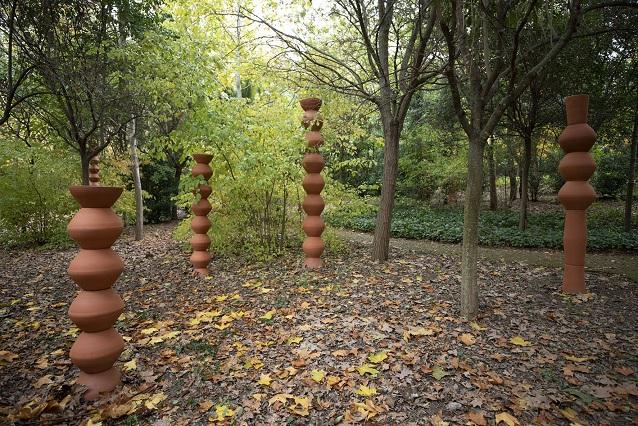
(496, 228)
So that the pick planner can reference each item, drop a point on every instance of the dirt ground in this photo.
(358, 341)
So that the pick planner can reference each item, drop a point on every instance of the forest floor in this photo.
(358, 341)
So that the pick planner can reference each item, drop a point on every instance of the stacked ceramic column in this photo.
(94, 171)
(576, 195)
(200, 242)
(313, 183)
(97, 306)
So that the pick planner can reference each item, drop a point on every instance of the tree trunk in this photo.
(512, 179)
(527, 158)
(473, 195)
(631, 176)
(492, 173)
(178, 175)
(137, 182)
(381, 241)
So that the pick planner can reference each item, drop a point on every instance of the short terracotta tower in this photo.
(200, 242)
(313, 183)
(96, 267)
(577, 194)
(94, 171)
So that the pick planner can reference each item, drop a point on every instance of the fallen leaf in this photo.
(378, 357)
(317, 375)
(268, 315)
(477, 418)
(366, 391)
(576, 359)
(507, 419)
(467, 339)
(221, 413)
(152, 402)
(131, 365)
(265, 380)
(438, 373)
(519, 341)
(368, 369)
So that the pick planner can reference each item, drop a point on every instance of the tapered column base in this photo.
(202, 271)
(97, 383)
(574, 279)
(313, 263)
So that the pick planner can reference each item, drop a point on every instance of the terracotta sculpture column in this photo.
(97, 306)
(313, 183)
(200, 242)
(576, 195)
(94, 171)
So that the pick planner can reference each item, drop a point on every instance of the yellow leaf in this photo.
(366, 391)
(467, 339)
(507, 418)
(222, 325)
(268, 315)
(221, 413)
(576, 359)
(265, 380)
(149, 330)
(570, 414)
(378, 357)
(280, 397)
(317, 375)
(294, 340)
(152, 402)
(301, 406)
(221, 298)
(476, 326)
(369, 369)
(519, 341)
(131, 365)
(332, 380)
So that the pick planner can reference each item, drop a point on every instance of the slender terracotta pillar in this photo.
(97, 306)
(576, 195)
(313, 183)
(94, 171)
(200, 242)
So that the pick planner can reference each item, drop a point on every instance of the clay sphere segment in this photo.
(576, 195)
(96, 267)
(313, 183)
(94, 172)
(200, 224)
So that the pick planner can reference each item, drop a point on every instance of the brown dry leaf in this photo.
(477, 418)
(507, 418)
(625, 371)
(467, 339)
(206, 405)
(46, 380)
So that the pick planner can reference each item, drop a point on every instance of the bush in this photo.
(35, 205)
(496, 228)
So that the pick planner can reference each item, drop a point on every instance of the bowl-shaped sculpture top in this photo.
(203, 158)
(310, 104)
(95, 196)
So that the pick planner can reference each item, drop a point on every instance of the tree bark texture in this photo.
(631, 175)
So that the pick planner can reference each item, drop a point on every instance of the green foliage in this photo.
(35, 205)
(496, 228)
(610, 178)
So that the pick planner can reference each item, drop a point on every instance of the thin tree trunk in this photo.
(631, 176)
(527, 157)
(178, 175)
(473, 195)
(381, 241)
(238, 54)
(492, 173)
(137, 182)
(513, 181)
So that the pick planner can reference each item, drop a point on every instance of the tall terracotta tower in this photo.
(200, 242)
(577, 194)
(313, 183)
(95, 268)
